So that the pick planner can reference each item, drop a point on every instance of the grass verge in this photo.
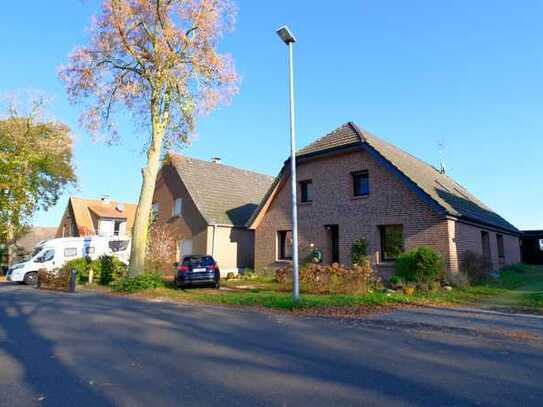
(519, 288)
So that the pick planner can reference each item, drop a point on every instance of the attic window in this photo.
(154, 212)
(306, 188)
(177, 206)
(361, 184)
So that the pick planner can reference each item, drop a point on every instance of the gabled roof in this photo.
(224, 195)
(440, 191)
(81, 209)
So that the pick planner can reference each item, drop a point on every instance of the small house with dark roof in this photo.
(205, 207)
(353, 185)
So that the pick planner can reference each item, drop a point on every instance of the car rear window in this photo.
(201, 260)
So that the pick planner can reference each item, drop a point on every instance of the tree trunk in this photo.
(141, 220)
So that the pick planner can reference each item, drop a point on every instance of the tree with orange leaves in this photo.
(158, 60)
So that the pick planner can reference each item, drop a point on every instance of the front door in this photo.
(332, 232)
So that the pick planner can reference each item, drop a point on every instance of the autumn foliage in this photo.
(330, 279)
(157, 60)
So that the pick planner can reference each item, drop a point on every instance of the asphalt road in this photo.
(90, 349)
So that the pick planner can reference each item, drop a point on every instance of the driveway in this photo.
(90, 349)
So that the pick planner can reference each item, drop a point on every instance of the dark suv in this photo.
(197, 270)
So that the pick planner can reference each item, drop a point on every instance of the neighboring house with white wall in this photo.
(205, 205)
(96, 217)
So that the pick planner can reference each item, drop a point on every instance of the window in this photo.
(90, 250)
(501, 249)
(70, 252)
(118, 245)
(361, 184)
(154, 212)
(284, 241)
(541, 245)
(391, 241)
(177, 207)
(306, 189)
(485, 242)
(199, 261)
(47, 256)
(117, 228)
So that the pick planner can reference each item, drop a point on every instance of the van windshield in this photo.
(36, 250)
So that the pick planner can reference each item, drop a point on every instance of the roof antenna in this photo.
(442, 168)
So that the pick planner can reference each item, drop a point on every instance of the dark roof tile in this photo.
(224, 195)
(447, 193)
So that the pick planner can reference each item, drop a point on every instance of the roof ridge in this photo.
(180, 156)
(363, 131)
(438, 173)
(100, 201)
(329, 133)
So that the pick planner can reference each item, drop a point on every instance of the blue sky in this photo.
(464, 73)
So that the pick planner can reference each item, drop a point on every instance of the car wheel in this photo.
(31, 278)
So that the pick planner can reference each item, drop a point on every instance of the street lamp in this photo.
(287, 37)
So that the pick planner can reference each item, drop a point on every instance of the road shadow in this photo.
(47, 381)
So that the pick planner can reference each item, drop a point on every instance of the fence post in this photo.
(73, 278)
(91, 276)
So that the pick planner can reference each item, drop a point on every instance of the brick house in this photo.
(205, 205)
(353, 185)
(96, 217)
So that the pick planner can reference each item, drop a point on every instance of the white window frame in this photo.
(70, 252)
(155, 209)
(177, 208)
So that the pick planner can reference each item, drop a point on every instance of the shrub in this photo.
(475, 266)
(395, 281)
(111, 269)
(420, 265)
(140, 282)
(330, 279)
(309, 254)
(359, 251)
(457, 279)
(82, 266)
(54, 280)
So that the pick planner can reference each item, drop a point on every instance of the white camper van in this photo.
(53, 254)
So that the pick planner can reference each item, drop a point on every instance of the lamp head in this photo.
(286, 36)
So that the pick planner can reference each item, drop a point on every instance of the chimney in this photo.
(216, 160)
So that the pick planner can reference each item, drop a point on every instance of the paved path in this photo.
(96, 350)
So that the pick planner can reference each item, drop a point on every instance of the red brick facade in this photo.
(232, 247)
(390, 202)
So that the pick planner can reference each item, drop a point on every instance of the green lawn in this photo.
(519, 288)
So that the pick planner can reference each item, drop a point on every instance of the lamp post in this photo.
(288, 38)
